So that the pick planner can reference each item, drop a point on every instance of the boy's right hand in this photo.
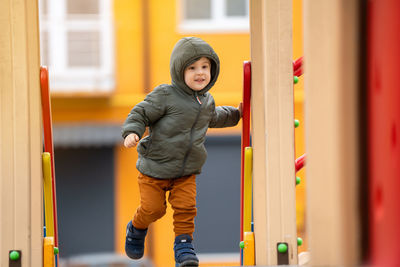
(131, 140)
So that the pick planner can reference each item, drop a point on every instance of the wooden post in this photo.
(273, 130)
(20, 133)
(331, 43)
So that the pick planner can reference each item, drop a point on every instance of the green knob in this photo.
(295, 79)
(299, 241)
(56, 250)
(241, 244)
(296, 123)
(298, 180)
(14, 255)
(282, 248)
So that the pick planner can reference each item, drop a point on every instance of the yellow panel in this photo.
(248, 250)
(48, 252)
(48, 194)
(248, 189)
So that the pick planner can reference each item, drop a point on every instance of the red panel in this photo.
(245, 142)
(384, 130)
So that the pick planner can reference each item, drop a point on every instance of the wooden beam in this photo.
(273, 129)
(20, 133)
(331, 115)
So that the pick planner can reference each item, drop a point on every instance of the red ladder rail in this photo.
(298, 67)
(48, 138)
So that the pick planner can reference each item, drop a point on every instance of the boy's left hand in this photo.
(240, 108)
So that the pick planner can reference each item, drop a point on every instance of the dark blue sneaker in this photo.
(184, 252)
(134, 242)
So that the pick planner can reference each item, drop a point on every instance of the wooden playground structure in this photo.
(338, 102)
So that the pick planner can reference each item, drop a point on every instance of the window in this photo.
(77, 44)
(214, 15)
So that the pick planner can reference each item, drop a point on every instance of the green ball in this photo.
(295, 79)
(296, 123)
(282, 248)
(241, 244)
(299, 241)
(298, 180)
(56, 250)
(14, 255)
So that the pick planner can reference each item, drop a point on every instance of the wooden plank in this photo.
(6, 137)
(273, 129)
(20, 134)
(331, 88)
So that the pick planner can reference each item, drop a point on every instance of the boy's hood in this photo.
(186, 51)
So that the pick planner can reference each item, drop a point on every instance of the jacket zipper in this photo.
(191, 135)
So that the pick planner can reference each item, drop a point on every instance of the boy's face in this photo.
(198, 74)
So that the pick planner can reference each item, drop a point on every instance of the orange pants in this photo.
(153, 205)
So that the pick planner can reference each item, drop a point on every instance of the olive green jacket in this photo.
(178, 117)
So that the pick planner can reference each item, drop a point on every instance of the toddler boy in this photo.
(169, 158)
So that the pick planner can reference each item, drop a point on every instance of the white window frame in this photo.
(67, 79)
(218, 22)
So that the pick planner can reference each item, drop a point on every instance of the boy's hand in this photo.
(240, 108)
(131, 140)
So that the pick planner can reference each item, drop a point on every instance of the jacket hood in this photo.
(186, 51)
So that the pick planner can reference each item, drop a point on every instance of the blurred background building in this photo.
(103, 57)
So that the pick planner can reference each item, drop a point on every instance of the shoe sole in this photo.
(134, 257)
(187, 264)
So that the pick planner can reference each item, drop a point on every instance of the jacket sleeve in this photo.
(224, 116)
(145, 113)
